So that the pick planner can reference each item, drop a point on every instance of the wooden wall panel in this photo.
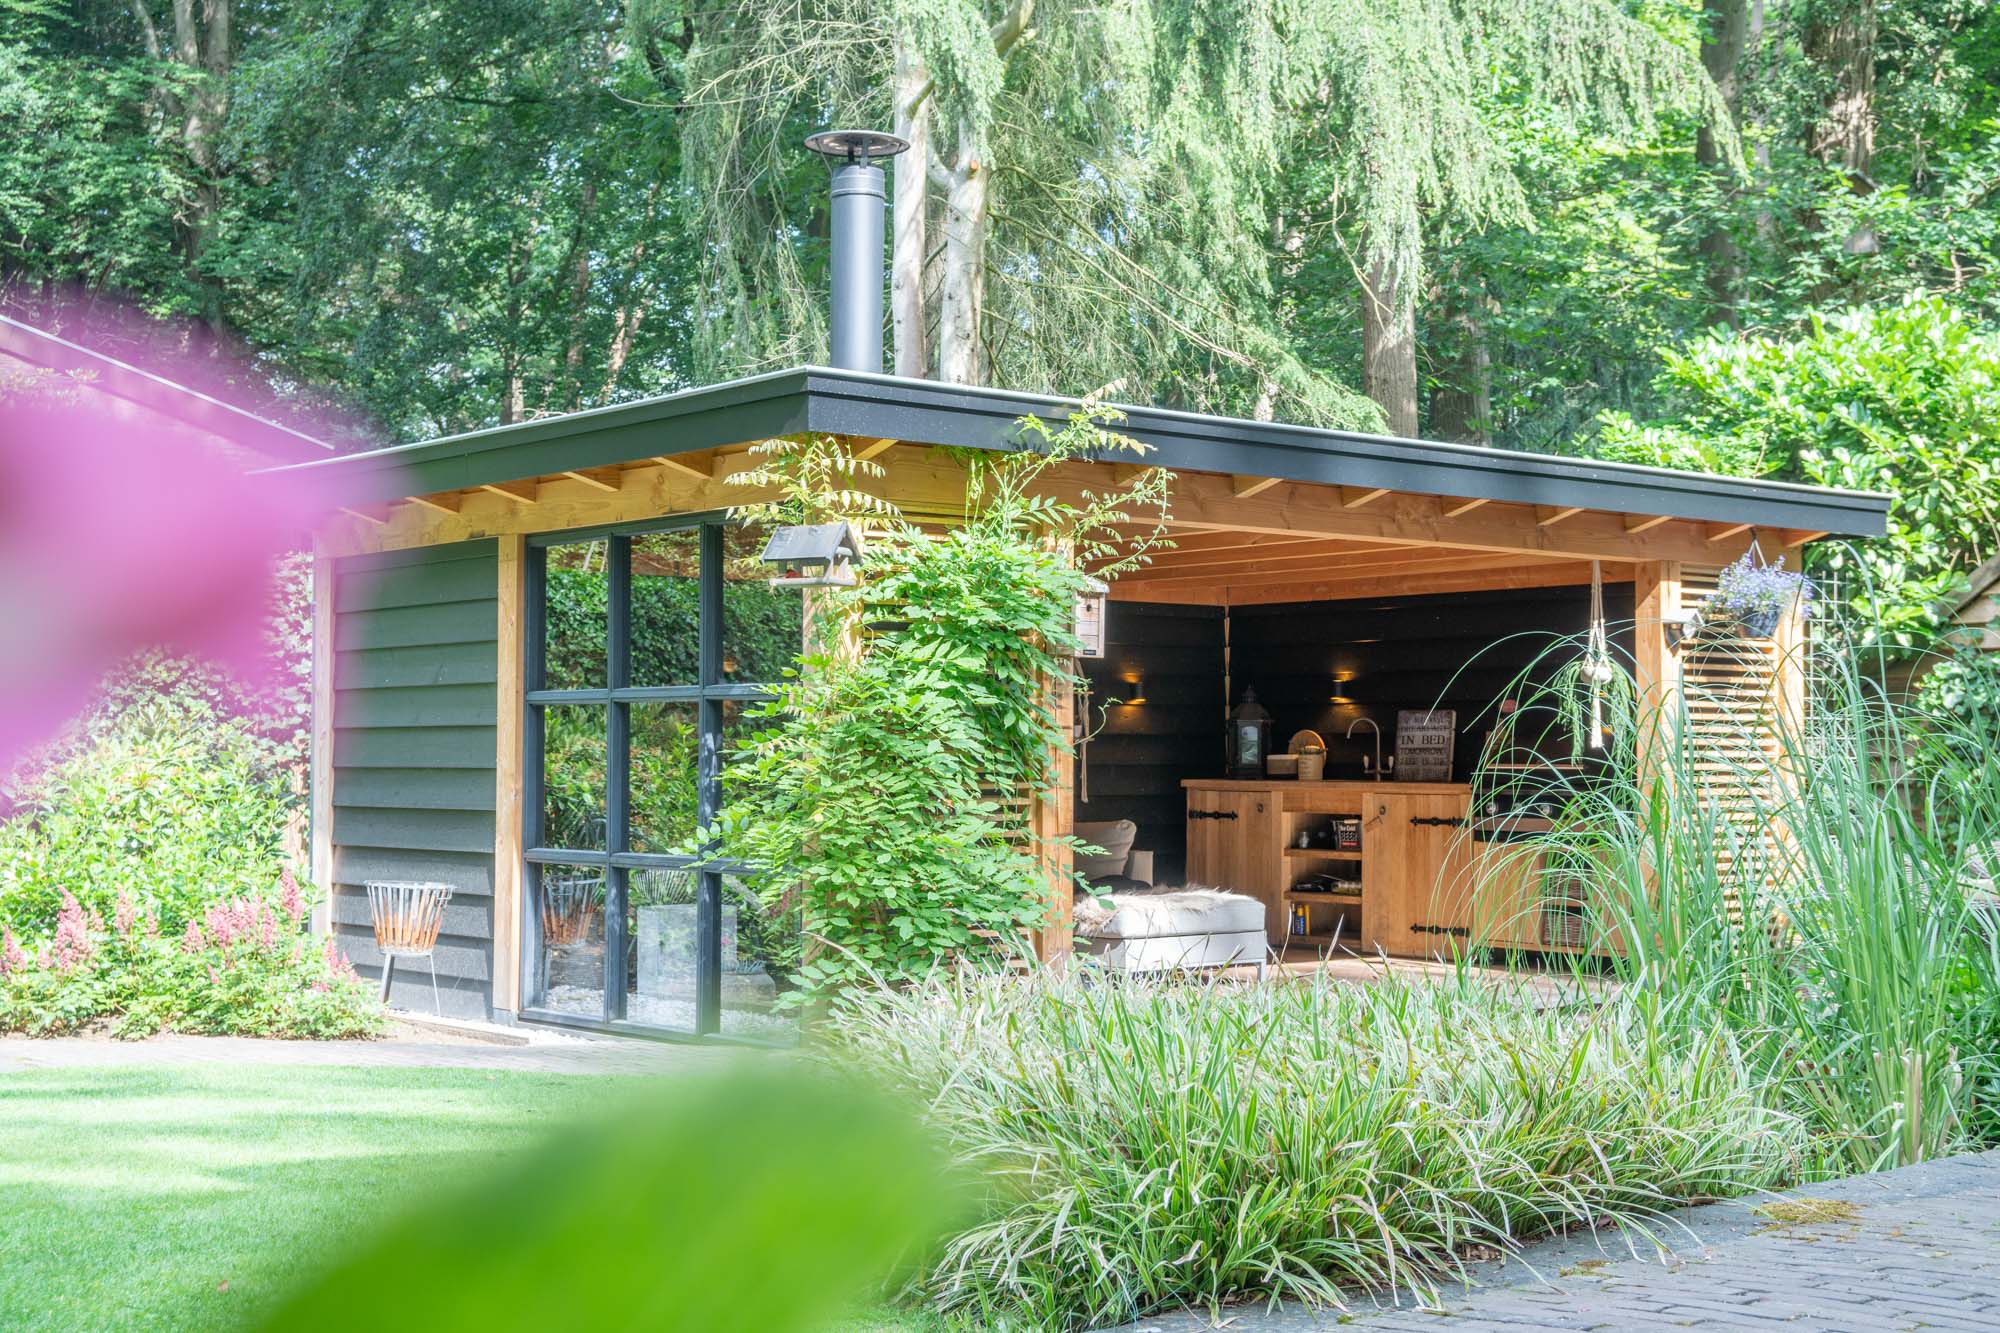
(412, 751)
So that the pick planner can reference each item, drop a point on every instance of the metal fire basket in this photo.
(407, 915)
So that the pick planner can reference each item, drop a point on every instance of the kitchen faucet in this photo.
(1378, 742)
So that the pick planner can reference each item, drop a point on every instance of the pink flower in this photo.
(12, 957)
(124, 915)
(290, 900)
(320, 987)
(72, 944)
(191, 938)
(214, 977)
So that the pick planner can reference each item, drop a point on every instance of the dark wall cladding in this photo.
(1140, 752)
(1463, 651)
(415, 665)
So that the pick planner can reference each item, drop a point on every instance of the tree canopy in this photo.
(1472, 220)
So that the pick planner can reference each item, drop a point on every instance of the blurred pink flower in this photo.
(124, 914)
(12, 957)
(124, 527)
(191, 938)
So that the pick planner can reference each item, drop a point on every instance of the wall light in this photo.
(1136, 683)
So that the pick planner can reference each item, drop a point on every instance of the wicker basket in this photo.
(407, 915)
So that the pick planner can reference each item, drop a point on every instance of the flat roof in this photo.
(815, 399)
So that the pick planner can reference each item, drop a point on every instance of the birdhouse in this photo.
(819, 555)
(1090, 618)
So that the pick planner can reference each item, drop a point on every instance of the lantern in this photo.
(1090, 618)
(1249, 737)
(820, 555)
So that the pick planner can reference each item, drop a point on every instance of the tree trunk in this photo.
(1843, 45)
(1462, 402)
(1389, 348)
(910, 244)
(202, 43)
(1725, 36)
(962, 291)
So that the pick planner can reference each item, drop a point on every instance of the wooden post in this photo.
(1656, 597)
(320, 761)
(509, 690)
(1054, 818)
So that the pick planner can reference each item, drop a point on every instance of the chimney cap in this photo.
(856, 145)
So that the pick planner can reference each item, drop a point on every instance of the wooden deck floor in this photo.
(1553, 984)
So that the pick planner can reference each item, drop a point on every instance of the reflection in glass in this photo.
(665, 741)
(761, 942)
(666, 608)
(570, 904)
(762, 626)
(661, 923)
(575, 623)
(573, 776)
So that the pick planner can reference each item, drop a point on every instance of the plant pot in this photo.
(1761, 624)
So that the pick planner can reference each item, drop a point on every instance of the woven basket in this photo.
(407, 915)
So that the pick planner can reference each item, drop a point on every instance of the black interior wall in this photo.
(1140, 752)
(1462, 651)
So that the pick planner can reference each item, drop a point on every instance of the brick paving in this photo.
(1915, 1249)
(406, 1048)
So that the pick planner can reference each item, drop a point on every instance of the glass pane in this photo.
(573, 776)
(760, 958)
(762, 626)
(575, 625)
(661, 923)
(665, 740)
(570, 900)
(666, 608)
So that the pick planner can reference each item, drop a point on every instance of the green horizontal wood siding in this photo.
(415, 665)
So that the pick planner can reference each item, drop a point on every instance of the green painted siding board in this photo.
(414, 830)
(463, 580)
(376, 668)
(412, 747)
(470, 874)
(419, 788)
(416, 706)
(404, 626)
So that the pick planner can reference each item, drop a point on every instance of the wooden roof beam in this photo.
(1455, 508)
(1356, 497)
(681, 466)
(1547, 516)
(1637, 523)
(520, 492)
(378, 515)
(603, 478)
(865, 449)
(1245, 487)
(1722, 532)
(445, 502)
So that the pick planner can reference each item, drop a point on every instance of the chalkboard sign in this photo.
(1424, 744)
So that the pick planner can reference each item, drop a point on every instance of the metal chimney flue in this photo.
(859, 210)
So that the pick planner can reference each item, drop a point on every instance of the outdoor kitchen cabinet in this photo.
(1413, 883)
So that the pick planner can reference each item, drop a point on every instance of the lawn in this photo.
(189, 1198)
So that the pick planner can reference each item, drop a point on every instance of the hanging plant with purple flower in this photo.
(1755, 596)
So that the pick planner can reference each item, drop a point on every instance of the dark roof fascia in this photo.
(680, 423)
(845, 402)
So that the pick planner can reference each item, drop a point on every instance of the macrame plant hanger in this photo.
(1598, 669)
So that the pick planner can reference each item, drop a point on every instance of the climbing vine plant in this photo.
(888, 784)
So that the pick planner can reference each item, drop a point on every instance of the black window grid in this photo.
(616, 859)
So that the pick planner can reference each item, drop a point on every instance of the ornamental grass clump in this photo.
(1147, 1145)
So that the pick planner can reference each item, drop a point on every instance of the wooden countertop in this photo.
(1330, 784)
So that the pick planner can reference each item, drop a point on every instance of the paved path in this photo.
(544, 1053)
(1905, 1250)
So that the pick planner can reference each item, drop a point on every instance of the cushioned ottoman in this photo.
(1163, 929)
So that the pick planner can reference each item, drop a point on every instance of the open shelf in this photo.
(1349, 898)
(1324, 853)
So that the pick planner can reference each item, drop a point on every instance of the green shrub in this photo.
(1147, 1145)
(245, 966)
(172, 805)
